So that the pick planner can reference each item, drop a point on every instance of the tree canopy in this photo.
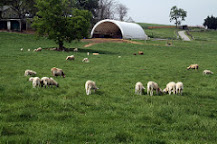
(177, 15)
(59, 22)
(210, 22)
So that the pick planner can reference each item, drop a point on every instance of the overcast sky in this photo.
(157, 11)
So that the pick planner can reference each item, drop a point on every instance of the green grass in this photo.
(205, 35)
(114, 114)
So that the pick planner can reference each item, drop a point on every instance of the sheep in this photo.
(35, 81)
(57, 72)
(21, 49)
(139, 88)
(38, 49)
(207, 72)
(72, 57)
(140, 53)
(29, 50)
(179, 87)
(88, 53)
(75, 50)
(119, 56)
(153, 86)
(193, 66)
(95, 53)
(90, 85)
(53, 82)
(170, 87)
(45, 81)
(85, 60)
(29, 72)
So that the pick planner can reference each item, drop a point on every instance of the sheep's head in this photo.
(165, 90)
(188, 67)
(31, 79)
(53, 69)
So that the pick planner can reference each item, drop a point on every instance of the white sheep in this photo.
(29, 72)
(207, 72)
(90, 85)
(88, 53)
(193, 66)
(35, 81)
(152, 86)
(179, 87)
(57, 72)
(72, 57)
(53, 82)
(38, 49)
(29, 50)
(75, 50)
(21, 49)
(139, 88)
(45, 81)
(86, 60)
(170, 87)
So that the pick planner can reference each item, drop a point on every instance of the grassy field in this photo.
(114, 114)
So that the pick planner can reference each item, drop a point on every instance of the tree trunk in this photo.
(61, 47)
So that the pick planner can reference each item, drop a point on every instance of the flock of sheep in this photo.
(171, 87)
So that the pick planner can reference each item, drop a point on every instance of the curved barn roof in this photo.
(118, 29)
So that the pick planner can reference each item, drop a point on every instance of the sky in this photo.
(157, 11)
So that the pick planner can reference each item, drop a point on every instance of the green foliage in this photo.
(177, 15)
(210, 22)
(90, 5)
(114, 114)
(59, 22)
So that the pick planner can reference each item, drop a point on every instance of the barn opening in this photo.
(107, 30)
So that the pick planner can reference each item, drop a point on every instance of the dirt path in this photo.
(183, 36)
(104, 40)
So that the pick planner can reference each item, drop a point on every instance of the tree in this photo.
(90, 5)
(177, 15)
(121, 11)
(105, 9)
(56, 20)
(210, 22)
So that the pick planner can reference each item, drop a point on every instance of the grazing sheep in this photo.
(179, 87)
(29, 50)
(38, 49)
(53, 82)
(35, 81)
(95, 53)
(75, 50)
(72, 57)
(170, 87)
(57, 72)
(207, 72)
(86, 60)
(140, 53)
(45, 81)
(139, 88)
(90, 85)
(153, 86)
(29, 72)
(119, 56)
(193, 66)
(21, 49)
(88, 53)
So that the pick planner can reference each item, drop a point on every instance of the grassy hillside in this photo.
(114, 114)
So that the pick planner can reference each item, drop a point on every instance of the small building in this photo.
(117, 29)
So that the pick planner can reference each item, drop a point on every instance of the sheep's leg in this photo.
(147, 91)
(181, 91)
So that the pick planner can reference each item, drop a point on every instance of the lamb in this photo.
(75, 50)
(88, 53)
(139, 88)
(170, 87)
(193, 66)
(38, 49)
(90, 85)
(45, 81)
(57, 72)
(95, 53)
(179, 87)
(140, 53)
(21, 49)
(35, 81)
(29, 50)
(207, 72)
(29, 72)
(153, 86)
(72, 57)
(53, 82)
(85, 60)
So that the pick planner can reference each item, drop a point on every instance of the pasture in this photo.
(114, 114)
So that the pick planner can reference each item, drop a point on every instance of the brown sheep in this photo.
(193, 66)
(57, 72)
